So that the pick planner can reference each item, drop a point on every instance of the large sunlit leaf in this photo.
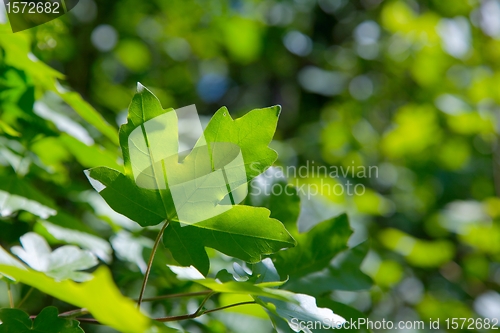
(48, 321)
(243, 232)
(65, 262)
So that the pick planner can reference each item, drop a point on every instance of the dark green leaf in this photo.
(343, 274)
(315, 249)
(243, 232)
(144, 206)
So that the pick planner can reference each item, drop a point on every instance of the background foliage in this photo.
(408, 86)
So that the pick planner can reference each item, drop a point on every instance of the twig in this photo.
(150, 264)
(230, 306)
(88, 321)
(198, 313)
(25, 298)
(200, 308)
(11, 298)
(195, 315)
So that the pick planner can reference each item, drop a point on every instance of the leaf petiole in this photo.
(150, 263)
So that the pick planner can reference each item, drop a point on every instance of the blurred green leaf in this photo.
(307, 256)
(100, 295)
(16, 194)
(343, 274)
(64, 263)
(48, 321)
(57, 234)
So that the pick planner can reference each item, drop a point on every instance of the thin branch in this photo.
(158, 298)
(230, 306)
(195, 315)
(25, 298)
(88, 321)
(200, 308)
(150, 264)
(11, 298)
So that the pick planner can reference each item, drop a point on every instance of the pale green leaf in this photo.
(100, 295)
(129, 248)
(16, 194)
(63, 263)
(94, 244)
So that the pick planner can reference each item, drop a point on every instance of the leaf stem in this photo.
(176, 318)
(11, 298)
(200, 313)
(25, 298)
(229, 306)
(150, 264)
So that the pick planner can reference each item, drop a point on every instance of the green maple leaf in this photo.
(48, 321)
(243, 232)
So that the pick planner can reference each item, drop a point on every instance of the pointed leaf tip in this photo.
(278, 109)
(140, 87)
